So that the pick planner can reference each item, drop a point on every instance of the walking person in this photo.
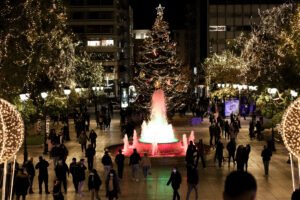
(247, 153)
(134, 161)
(201, 153)
(240, 158)
(92, 138)
(266, 155)
(231, 148)
(94, 183)
(219, 153)
(211, 133)
(81, 176)
(107, 163)
(112, 185)
(57, 194)
(42, 166)
(175, 180)
(22, 184)
(61, 172)
(146, 165)
(82, 139)
(74, 170)
(31, 172)
(189, 156)
(192, 181)
(120, 158)
(90, 153)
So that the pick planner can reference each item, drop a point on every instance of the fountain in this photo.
(157, 135)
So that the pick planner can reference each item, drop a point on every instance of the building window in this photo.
(77, 15)
(104, 43)
(101, 15)
(78, 29)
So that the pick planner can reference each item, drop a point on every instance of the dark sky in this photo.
(144, 13)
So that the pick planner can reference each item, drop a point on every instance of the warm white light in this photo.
(235, 86)
(11, 131)
(77, 89)
(219, 85)
(44, 95)
(244, 87)
(93, 43)
(291, 128)
(272, 91)
(24, 97)
(239, 86)
(67, 91)
(294, 93)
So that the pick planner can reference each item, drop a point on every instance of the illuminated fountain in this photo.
(157, 136)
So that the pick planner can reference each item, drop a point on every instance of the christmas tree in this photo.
(159, 68)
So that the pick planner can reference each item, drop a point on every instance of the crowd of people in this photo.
(223, 136)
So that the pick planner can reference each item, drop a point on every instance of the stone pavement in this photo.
(276, 186)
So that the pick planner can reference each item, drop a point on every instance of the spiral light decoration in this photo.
(11, 131)
(290, 126)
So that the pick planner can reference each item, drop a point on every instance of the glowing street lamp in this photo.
(24, 97)
(44, 95)
(272, 92)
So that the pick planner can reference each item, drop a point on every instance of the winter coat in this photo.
(175, 180)
(134, 159)
(94, 181)
(21, 184)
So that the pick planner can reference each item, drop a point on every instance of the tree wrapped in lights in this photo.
(37, 51)
(159, 68)
(224, 68)
(273, 49)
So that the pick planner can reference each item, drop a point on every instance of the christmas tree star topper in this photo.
(160, 10)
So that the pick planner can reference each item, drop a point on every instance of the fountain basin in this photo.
(163, 149)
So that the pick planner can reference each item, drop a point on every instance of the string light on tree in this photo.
(291, 128)
(11, 131)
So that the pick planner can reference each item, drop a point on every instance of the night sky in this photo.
(144, 13)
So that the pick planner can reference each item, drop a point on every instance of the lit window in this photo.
(217, 28)
(93, 43)
(108, 42)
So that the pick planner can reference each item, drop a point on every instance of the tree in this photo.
(273, 49)
(159, 68)
(37, 51)
(224, 68)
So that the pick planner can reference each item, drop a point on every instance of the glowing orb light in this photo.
(290, 127)
(11, 131)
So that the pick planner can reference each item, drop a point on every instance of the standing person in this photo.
(92, 138)
(81, 176)
(226, 129)
(258, 127)
(201, 153)
(217, 133)
(57, 194)
(266, 155)
(94, 183)
(146, 165)
(175, 180)
(107, 163)
(251, 129)
(83, 140)
(21, 184)
(61, 172)
(90, 153)
(120, 158)
(112, 185)
(74, 170)
(134, 161)
(192, 181)
(42, 166)
(219, 153)
(231, 148)
(247, 153)
(31, 172)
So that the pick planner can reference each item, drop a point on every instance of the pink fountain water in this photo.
(157, 136)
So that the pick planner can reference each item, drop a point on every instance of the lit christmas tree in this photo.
(159, 68)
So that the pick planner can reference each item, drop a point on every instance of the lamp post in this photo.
(67, 92)
(24, 97)
(44, 95)
(272, 92)
(96, 90)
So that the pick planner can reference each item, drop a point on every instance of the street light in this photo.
(67, 92)
(272, 92)
(24, 97)
(44, 95)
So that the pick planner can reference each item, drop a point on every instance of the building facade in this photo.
(104, 27)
